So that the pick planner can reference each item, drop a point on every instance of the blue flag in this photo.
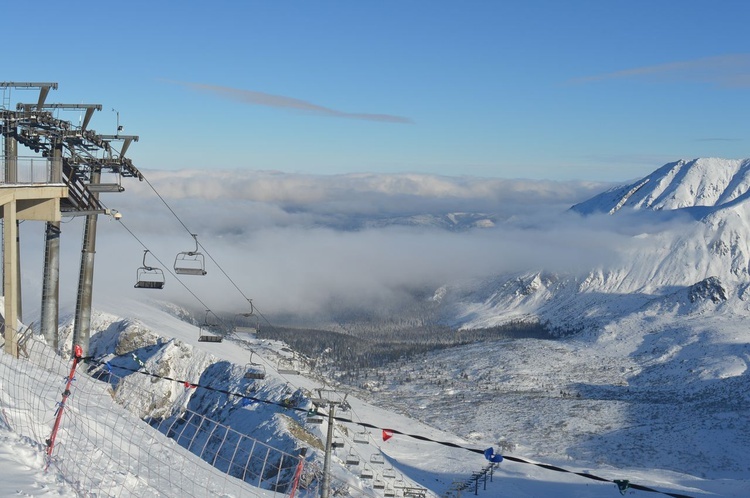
(493, 457)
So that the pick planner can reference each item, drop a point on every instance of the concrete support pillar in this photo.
(10, 171)
(10, 283)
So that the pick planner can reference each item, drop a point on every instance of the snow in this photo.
(652, 387)
(524, 371)
(22, 469)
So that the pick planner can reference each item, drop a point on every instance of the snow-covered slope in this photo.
(652, 366)
(708, 182)
(562, 403)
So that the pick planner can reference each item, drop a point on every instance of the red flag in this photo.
(387, 434)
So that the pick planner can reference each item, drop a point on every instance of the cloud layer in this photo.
(285, 240)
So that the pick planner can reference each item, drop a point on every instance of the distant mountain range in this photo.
(455, 222)
(691, 224)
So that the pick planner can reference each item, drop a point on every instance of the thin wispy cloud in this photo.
(717, 139)
(732, 70)
(252, 97)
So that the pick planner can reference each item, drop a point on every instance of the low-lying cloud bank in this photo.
(215, 200)
(297, 243)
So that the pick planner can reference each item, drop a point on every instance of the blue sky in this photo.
(577, 90)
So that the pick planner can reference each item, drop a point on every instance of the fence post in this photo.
(78, 353)
(298, 473)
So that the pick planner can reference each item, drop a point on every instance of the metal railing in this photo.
(23, 170)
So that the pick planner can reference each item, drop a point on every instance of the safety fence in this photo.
(104, 450)
(23, 170)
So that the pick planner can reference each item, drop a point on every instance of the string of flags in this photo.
(622, 484)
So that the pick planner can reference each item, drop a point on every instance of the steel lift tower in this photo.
(77, 156)
(22, 197)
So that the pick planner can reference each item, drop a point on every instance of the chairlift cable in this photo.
(198, 243)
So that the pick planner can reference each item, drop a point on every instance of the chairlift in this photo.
(190, 262)
(254, 370)
(366, 473)
(399, 483)
(377, 458)
(389, 491)
(313, 417)
(378, 483)
(389, 473)
(337, 443)
(149, 277)
(352, 458)
(362, 437)
(344, 412)
(205, 337)
(247, 323)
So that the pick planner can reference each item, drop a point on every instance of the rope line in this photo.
(619, 483)
(188, 384)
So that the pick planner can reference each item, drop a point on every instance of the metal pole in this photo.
(11, 158)
(82, 326)
(51, 280)
(325, 492)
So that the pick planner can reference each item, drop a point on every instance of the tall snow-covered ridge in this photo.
(666, 253)
(708, 182)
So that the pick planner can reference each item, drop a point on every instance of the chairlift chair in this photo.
(247, 323)
(389, 491)
(377, 458)
(205, 337)
(254, 370)
(149, 277)
(362, 437)
(337, 442)
(314, 418)
(190, 262)
(366, 473)
(389, 473)
(352, 458)
(344, 411)
(378, 483)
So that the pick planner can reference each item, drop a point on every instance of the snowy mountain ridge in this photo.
(693, 222)
(711, 182)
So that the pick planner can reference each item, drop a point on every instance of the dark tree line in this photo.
(368, 347)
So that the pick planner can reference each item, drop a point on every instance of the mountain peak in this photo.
(705, 182)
